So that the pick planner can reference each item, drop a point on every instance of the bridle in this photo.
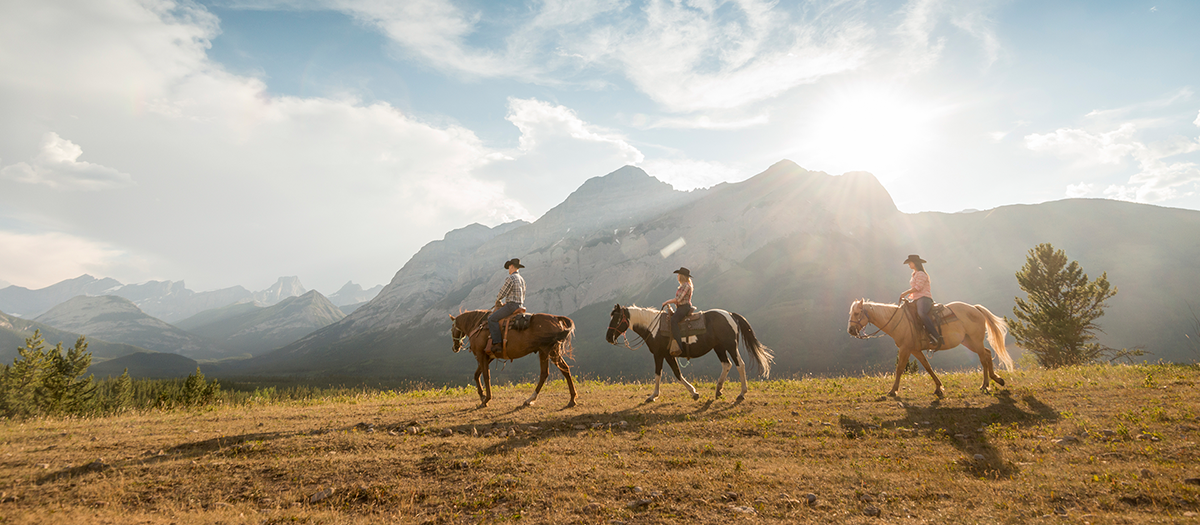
(858, 330)
(459, 345)
(628, 324)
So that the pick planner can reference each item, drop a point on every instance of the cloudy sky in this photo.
(230, 142)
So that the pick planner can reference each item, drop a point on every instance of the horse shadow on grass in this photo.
(961, 428)
(230, 445)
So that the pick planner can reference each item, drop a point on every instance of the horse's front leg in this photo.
(679, 375)
(658, 361)
(478, 383)
(544, 359)
(938, 391)
(487, 382)
(901, 364)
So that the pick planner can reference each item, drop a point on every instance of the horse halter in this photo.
(628, 324)
(858, 332)
(459, 345)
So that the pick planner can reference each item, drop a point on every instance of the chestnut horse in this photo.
(548, 335)
(973, 323)
(723, 330)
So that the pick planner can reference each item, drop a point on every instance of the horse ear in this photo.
(451, 317)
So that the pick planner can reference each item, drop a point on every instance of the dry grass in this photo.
(677, 460)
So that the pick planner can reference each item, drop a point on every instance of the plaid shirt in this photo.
(513, 290)
(684, 293)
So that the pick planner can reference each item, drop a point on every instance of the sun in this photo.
(870, 127)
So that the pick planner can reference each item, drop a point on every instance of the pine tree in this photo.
(20, 382)
(63, 388)
(120, 394)
(1057, 320)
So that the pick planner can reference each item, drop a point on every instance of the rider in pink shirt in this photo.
(920, 292)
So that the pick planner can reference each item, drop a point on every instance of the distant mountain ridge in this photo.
(788, 248)
(117, 319)
(249, 328)
(14, 331)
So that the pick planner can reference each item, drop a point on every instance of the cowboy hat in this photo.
(683, 271)
(914, 258)
(513, 262)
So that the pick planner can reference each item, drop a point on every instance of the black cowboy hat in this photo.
(512, 262)
(683, 271)
(914, 258)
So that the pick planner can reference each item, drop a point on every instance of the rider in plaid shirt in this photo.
(510, 298)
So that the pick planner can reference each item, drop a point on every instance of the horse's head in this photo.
(618, 323)
(858, 318)
(457, 334)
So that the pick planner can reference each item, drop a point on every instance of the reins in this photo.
(880, 328)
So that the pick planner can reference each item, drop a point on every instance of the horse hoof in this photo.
(571, 404)
(528, 403)
(741, 398)
(695, 397)
(999, 381)
(940, 394)
(651, 399)
(718, 395)
(892, 393)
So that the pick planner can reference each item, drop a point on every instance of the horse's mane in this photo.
(642, 315)
(471, 318)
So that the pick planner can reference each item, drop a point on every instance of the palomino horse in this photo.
(974, 322)
(722, 336)
(548, 335)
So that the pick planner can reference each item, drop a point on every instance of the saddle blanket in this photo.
(940, 314)
(691, 326)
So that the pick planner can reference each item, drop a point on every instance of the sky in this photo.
(231, 142)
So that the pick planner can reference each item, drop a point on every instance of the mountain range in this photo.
(252, 329)
(788, 248)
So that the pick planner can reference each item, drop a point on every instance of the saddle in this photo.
(692, 325)
(518, 320)
(940, 315)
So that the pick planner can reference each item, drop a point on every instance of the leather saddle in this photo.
(940, 315)
(691, 325)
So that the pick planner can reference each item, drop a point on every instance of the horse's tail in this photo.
(996, 330)
(763, 356)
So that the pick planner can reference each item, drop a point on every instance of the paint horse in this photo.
(721, 336)
(548, 335)
(969, 329)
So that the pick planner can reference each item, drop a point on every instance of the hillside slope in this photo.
(117, 319)
(248, 328)
(14, 331)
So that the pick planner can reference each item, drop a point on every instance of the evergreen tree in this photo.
(20, 382)
(120, 395)
(1057, 320)
(63, 388)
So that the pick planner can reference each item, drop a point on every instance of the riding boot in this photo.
(496, 351)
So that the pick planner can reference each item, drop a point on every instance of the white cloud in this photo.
(39, 260)
(1157, 179)
(228, 172)
(57, 165)
(1079, 190)
(1197, 121)
(1085, 147)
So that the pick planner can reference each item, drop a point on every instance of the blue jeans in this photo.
(494, 320)
(924, 305)
(681, 311)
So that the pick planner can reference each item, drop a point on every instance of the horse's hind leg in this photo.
(725, 366)
(741, 368)
(985, 362)
(487, 383)
(679, 375)
(566, 372)
(544, 360)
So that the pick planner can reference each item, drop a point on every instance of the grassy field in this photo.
(1103, 444)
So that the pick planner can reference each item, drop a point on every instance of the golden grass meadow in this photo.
(1093, 444)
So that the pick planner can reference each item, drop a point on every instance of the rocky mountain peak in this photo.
(282, 289)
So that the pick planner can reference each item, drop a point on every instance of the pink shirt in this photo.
(684, 293)
(920, 285)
